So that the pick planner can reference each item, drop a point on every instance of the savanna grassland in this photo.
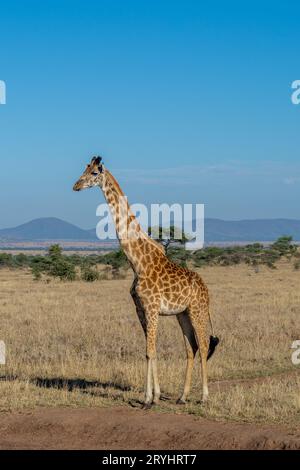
(79, 344)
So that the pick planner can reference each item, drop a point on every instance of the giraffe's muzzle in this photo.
(77, 186)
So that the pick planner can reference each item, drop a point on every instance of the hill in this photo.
(49, 228)
(250, 230)
(216, 230)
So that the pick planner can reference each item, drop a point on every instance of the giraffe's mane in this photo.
(121, 193)
(114, 182)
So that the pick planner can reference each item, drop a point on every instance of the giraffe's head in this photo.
(92, 176)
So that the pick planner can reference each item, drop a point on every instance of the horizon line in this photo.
(205, 218)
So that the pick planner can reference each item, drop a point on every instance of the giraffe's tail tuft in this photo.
(213, 343)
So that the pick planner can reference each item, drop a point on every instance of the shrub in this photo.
(40, 262)
(54, 264)
(89, 275)
(55, 252)
(284, 246)
(116, 259)
(6, 260)
(36, 273)
(297, 264)
(179, 256)
(63, 269)
(21, 260)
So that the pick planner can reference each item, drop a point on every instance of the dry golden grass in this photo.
(80, 344)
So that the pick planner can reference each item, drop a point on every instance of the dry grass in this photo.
(80, 344)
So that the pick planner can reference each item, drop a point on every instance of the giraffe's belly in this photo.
(168, 308)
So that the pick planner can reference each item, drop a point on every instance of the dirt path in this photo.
(124, 428)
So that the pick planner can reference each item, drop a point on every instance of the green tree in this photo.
(89, 274)
(168, 236)
(54, 264)
(63, 269)
(6, 260)
(284, 246)
(55, 252)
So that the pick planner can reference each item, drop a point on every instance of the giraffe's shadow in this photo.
(79, 384)
(92, 387)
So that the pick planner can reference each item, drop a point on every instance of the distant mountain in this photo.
(49, 228)
(250, 230)
(216, 230)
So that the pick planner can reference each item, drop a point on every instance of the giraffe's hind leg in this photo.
(191, 350)
(199, 319)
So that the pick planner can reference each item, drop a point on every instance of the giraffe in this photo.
(160, 287)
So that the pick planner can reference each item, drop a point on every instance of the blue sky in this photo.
(187, 101)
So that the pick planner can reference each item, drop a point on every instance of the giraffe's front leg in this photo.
(148, 388)
(152, 376)
(156, 382)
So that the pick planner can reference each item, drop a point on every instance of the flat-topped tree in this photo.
(168, 236)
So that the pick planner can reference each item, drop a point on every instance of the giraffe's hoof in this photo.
(203, 402)
(180, 402)
(147, 406)
(164, 398)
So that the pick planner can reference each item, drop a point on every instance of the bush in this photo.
(40, 262)
(36, 273)
(21, 260)
(89, 275)
(284, 246)
(179, 256)
(297, 264)
(55, 252)
(254, 255)
(117, 260)
(54, 264)
(63, 269)
(6, 260)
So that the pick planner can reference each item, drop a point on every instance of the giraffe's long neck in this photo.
(133, 240)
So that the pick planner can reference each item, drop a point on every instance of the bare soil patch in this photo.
(123, 428)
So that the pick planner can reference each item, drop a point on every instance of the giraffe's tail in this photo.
(213, 340)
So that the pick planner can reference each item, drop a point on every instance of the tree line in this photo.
(70, 267)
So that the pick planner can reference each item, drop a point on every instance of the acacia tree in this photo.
(167, 236)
